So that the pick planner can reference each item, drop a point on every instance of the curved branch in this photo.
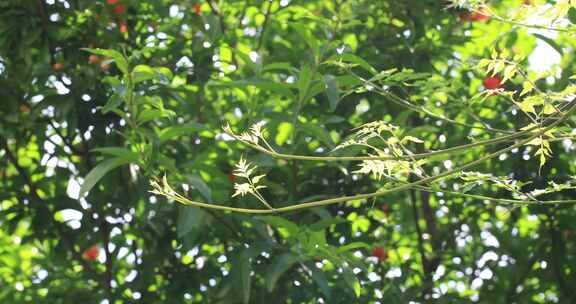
(168, 192)
(451, 150)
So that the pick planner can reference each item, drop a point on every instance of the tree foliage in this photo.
(295, 151)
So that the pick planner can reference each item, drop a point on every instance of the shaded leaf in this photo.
(100, 170)
(279, 266)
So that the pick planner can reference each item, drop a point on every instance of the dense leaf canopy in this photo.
(287, 151)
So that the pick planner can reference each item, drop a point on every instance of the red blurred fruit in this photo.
(119, 9)
(197, 9)
(480, 15)
(91, 254)
(492, 83)
(123, 28)
(93, 59)
(58, 66)
(231, 177)
(386, 209)
(111, 2)
(380, 253)
(24, 108)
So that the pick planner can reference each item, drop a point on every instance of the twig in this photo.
(104, 229)
(218, 14)
(65, 140)
(425, 270)
(40, 4)
(263, 31)
(294, 207)
(536, 26)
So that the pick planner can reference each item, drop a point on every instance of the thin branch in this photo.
(65, 140)
(402, 102)
(218, 14)
(263, 31)
(522, 24)
(104, 229)
(40, 4)
(451, 150)
(425, 270)
(183, 200)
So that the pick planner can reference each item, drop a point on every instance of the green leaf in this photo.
(326, 223)
(483, 63)
(175, 131)
(572, 15)
(527, 87)
(304, 32)
(509, 73)
(284, 131)
(550, 42)
(284, 226)
(318, 132)
(120, 60)
(332, 91)
(153, 114)
(347, 57)
(279, 266)
(279, 66)
(163, 74)
(214, 30)
(201, 186)
(100, 170)
(189, 219)
(118, 151)
(113, 102)
(245, 278)
(241, 268)
(351, 246)
(142, 72)
(304, 79)
(267, 85)
(407, 75)
(351, 281)
(320, 279)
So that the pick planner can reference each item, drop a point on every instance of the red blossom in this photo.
(492, 83)
(197, 9)
(119, 9)
(386, 209)
(91, 254)
(123, 28)
(380, 253)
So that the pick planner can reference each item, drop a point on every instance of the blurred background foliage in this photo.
(82, 132)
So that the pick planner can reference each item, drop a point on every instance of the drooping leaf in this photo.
(201, 186)
(118, 151)
(189, 218)
(332, 91)
(284, 226)
(100, 170)
(278, 267)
